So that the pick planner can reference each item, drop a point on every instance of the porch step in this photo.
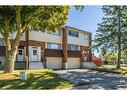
(35, 65)
(88, 65)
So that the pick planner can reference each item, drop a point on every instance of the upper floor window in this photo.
(86, 38)
(72, 33)
(53, 46)
(72, 47)
(58, 33)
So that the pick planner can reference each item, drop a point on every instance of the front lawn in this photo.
(122, 70)
(36, 79)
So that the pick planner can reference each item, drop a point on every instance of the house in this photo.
(52, 50)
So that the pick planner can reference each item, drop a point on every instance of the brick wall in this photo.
(64, 46)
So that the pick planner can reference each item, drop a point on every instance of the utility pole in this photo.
(119, 37)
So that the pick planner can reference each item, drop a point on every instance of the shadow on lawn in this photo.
(34, 81)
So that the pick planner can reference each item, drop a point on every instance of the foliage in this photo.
(15, 20)
(39, 17)
(106, 38)
(124, 55)
(111, 68)
(109, 56)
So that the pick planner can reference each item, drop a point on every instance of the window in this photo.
(34, 52)
(20, 52)
(58, 33)
(72, 47)
(72, 33)
(53, 46)
(86, 38)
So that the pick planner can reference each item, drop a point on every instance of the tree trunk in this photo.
(10, 61)
(119, 39)
(12, 44)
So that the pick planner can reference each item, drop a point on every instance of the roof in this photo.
(78, 29)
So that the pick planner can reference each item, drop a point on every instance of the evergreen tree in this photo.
(112, 31)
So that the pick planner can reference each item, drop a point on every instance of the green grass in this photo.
(36, 79)
(122, 70)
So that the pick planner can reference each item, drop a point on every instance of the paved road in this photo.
(86, 79)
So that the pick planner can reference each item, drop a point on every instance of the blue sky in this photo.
(86, 20)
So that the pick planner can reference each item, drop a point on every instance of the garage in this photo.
(73, 63)
(54, 62)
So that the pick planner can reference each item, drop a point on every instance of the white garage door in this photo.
(73, 63)
(54, 62)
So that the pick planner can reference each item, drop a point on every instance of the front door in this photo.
(20, 55)
(34, 54)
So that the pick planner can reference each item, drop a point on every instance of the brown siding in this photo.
(2, 50)
(64, 46)
(72, 53)
(53, 53)
(32, 43)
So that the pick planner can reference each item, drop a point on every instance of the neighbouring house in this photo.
(52, 50)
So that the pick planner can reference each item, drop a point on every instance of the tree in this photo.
(15, 20)
(18, 19)
(124, 55)
(112, 31)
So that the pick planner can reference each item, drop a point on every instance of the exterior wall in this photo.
(73, 54)
(54, 62)
(55, 59)
(78, 40)
(53, 53)
(64, 47)
(43, 36)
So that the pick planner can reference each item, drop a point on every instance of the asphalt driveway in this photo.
(87, 79)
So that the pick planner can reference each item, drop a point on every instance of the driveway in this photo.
(87, 79)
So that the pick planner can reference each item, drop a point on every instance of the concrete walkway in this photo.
(86, 79)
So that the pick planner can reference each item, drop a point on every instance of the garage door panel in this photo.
(54, 63)
(73, 63)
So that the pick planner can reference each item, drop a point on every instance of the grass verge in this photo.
(36, 79)
(122, 70)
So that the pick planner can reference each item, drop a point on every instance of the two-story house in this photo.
(64, 49)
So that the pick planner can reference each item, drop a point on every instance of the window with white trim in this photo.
(72, 33)
(72, 47)
(53, 46)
